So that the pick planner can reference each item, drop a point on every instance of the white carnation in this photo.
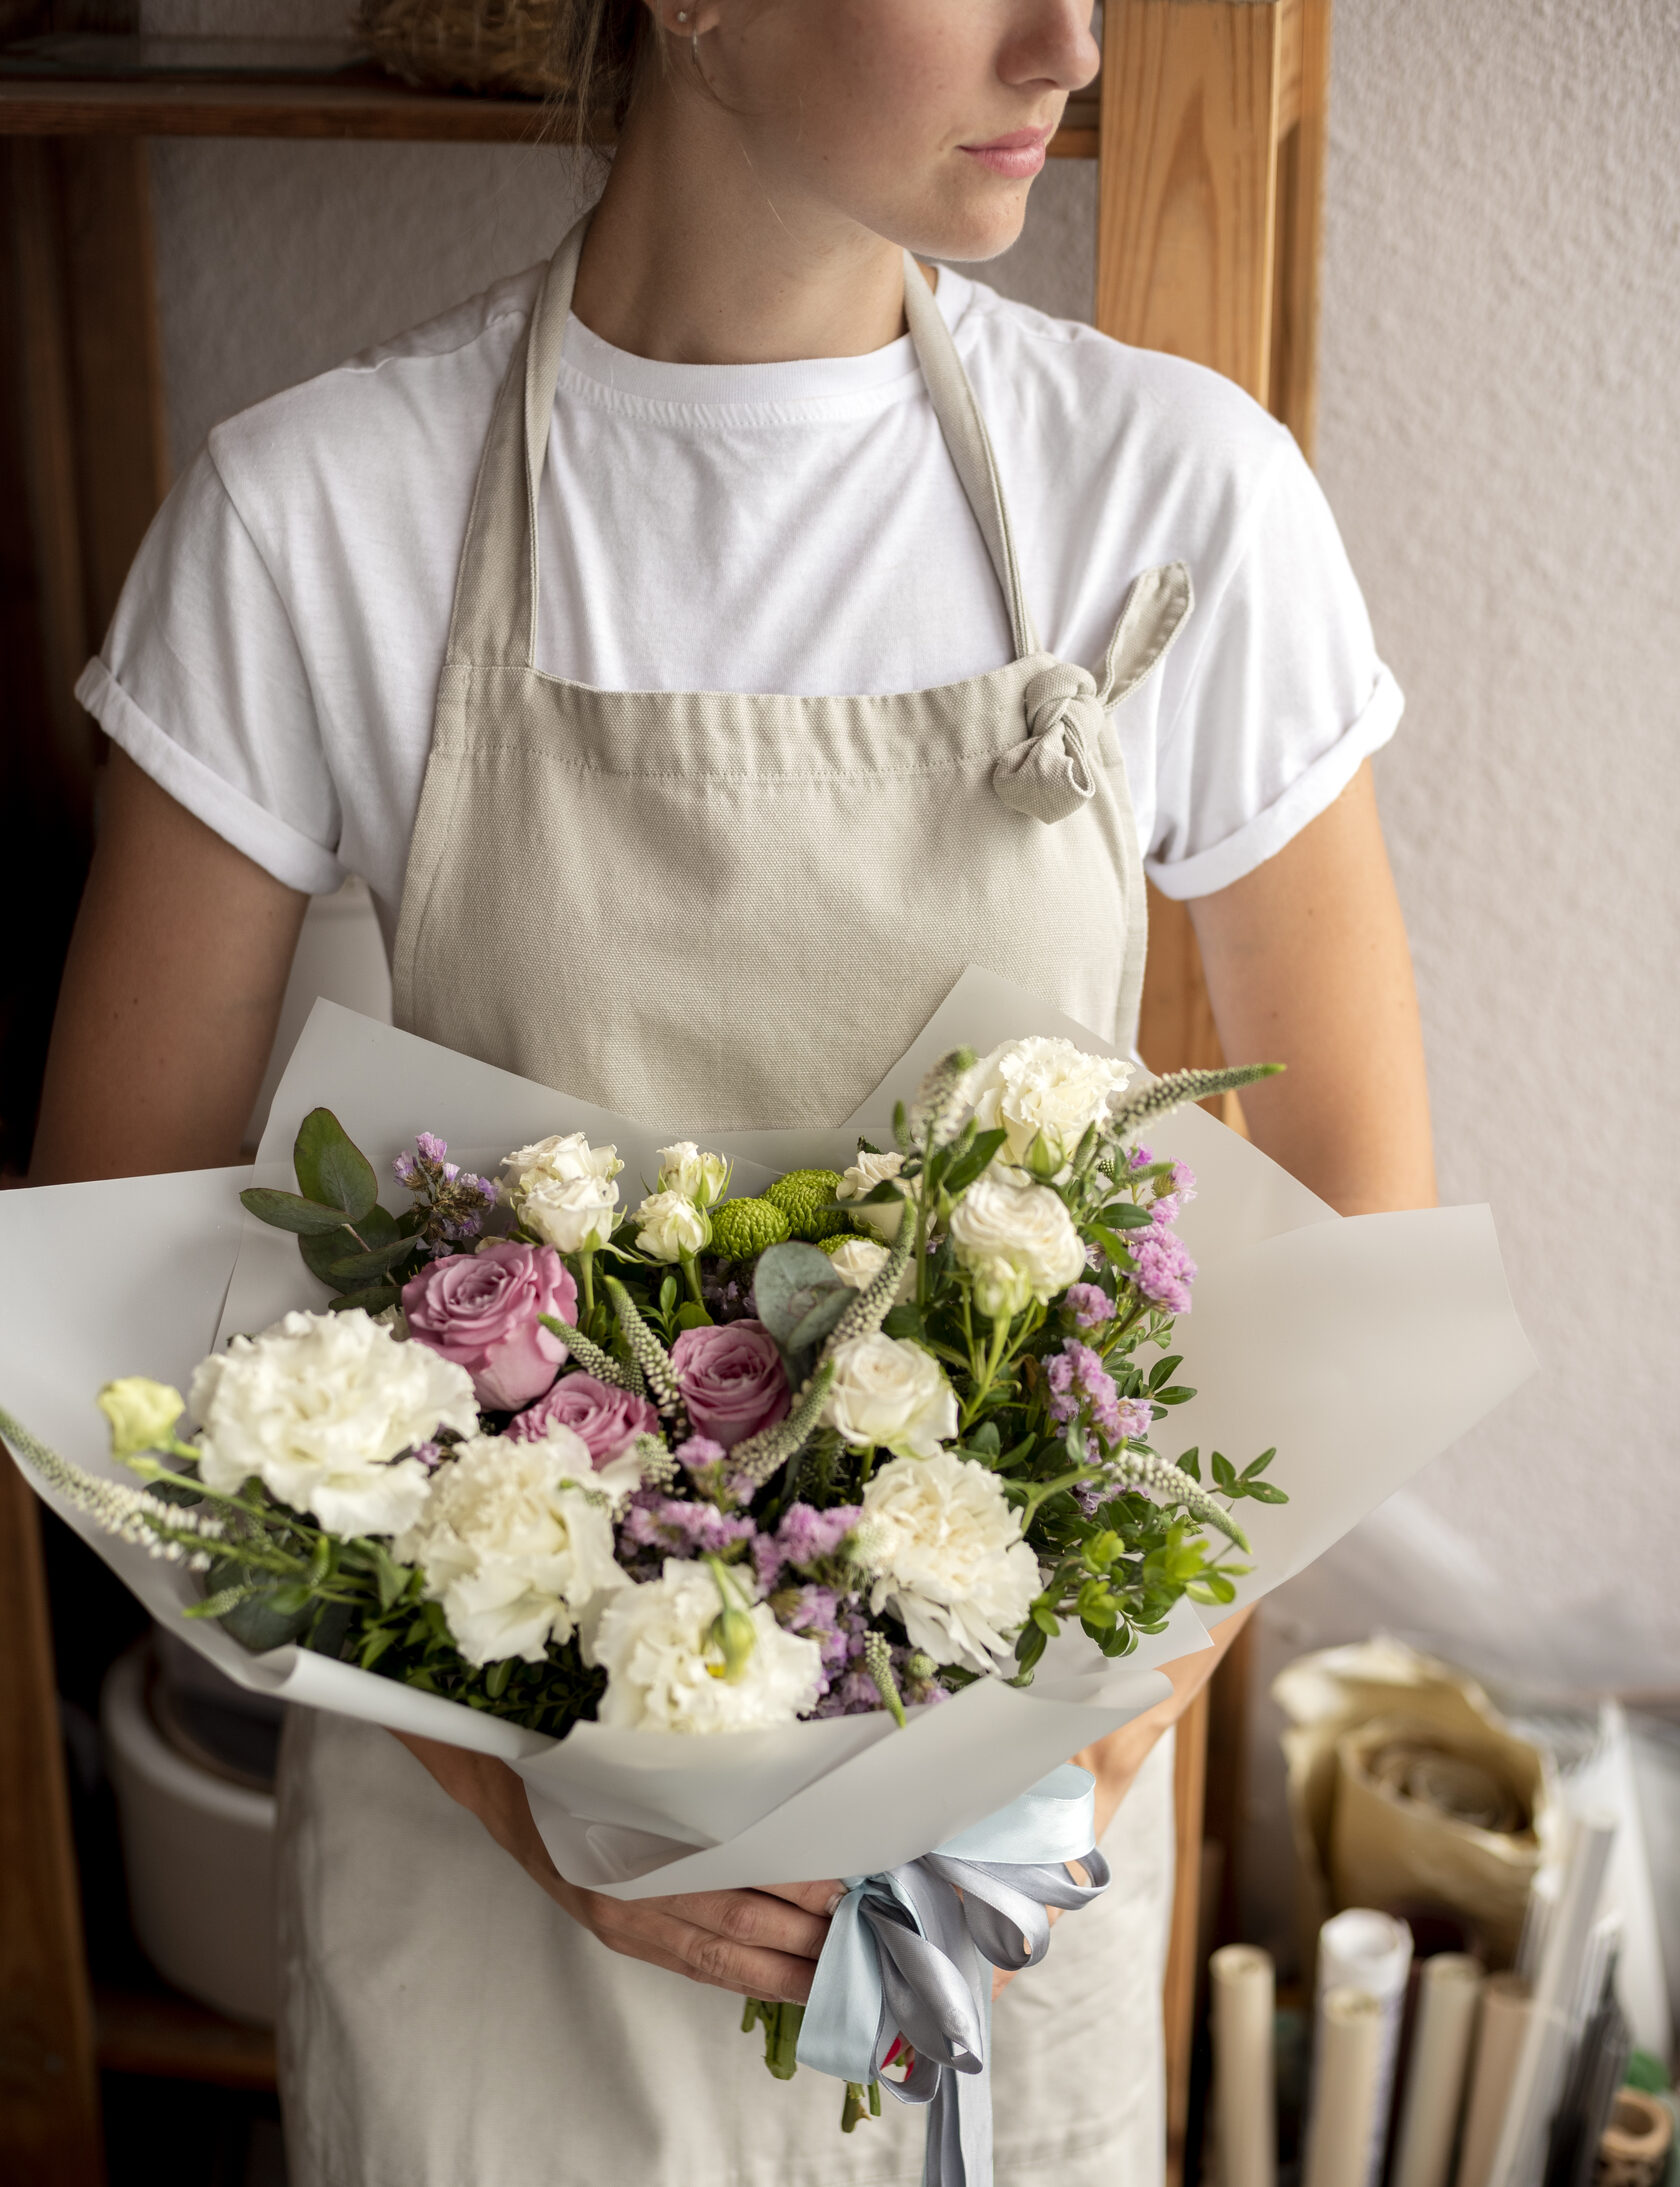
(664, 1674)
(1046, 1091)
(889, 1391)
(945, 1551)
(670, 1225)
(865, 1174)
(516, 1544)
(574, 1214)
(560, 1160)
(1016, 1240)
(702, 1178)
(858, 1261)
(321, 1408)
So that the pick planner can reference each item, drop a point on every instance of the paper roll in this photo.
(1371, 1952)
(1500, 2027)
(1346, 2075)
(1449, 1987)
(1245, 2107)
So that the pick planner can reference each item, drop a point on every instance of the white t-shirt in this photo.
(798, 528)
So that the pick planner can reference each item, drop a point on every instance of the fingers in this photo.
(816, 1898)
(755, 1943)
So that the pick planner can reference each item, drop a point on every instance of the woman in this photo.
(624, 838)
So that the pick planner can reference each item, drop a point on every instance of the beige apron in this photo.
(714, 911)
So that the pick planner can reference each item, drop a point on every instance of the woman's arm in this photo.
(171, 992)
(1307, 964)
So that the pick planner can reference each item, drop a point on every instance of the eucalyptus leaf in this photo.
(794, 1286)
(1264, 1493)
(366, 1302)
(359, 1269)
(331, 1168)
(290, 1211)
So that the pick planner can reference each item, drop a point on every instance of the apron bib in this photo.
(715, 911)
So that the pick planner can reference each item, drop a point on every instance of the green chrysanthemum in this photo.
(743, 1229)
(831, 1246)
(801, 1195)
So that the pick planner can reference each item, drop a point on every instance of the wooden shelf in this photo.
(169, 2037)
(351, 102)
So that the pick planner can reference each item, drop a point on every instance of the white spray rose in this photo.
(702, 1178)
(319, 1407)
(664, 1672)
(560, 1160)
(513, 1546)
(670, 1226)
(890, 1392)
(858, 1261)
(945, 1553)
(575, 1214)
(1046, 1091)
(865, 1174)
(1016, 1240)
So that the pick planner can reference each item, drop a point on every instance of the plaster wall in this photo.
(1502, 311)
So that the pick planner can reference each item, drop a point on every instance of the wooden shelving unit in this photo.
(1208, 127)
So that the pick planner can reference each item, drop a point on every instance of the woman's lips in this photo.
(1017, 155)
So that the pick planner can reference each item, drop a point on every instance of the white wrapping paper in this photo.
(1361, 1348)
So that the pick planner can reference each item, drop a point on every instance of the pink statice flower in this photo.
(1089, 1305)
(1141, 1158)
(1181, 1189)
(805, 1537)
(1078, 1381)
(673, 1527)
(1164, 1270)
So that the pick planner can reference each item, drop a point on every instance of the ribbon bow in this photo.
(1051, 775)
(910, 1952)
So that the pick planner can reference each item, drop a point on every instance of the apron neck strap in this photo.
(497, 588)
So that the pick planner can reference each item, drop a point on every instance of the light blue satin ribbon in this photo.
(910, 1952)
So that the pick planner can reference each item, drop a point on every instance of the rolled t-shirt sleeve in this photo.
(202, 683)
(1282, 693)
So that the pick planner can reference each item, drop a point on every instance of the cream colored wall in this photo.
(1502, 312)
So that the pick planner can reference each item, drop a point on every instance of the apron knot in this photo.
(1053, 773)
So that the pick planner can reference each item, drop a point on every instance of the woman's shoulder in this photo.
(1075, 394)
(379, 415)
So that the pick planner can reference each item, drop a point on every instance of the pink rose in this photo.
(480, 1310)
(732, 1380)
(607, 1419)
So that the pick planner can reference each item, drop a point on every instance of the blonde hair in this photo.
(597, 49)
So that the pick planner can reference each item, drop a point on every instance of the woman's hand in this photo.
(757, 1943)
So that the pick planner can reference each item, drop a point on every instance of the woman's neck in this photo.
(691, 258)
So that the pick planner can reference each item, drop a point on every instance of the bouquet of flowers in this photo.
(856, 1457)
(719, 1462)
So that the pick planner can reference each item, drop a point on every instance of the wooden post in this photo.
(1210, 178)
(49, 2096)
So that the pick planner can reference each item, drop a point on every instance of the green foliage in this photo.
(798, 1296)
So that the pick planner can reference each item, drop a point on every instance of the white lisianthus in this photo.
(142, 1413)
(560, 1159)
(670, 1226)
(1017, 1242)
(321, 1408)
(868, 1171)
(944, 1550)
(666, 1673)
(1044, 1091)
(858, 1261)
(702, 1178)
(573, 1214)
(516, 1543)
(889, 1391)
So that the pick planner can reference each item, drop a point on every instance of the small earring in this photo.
(682, 15)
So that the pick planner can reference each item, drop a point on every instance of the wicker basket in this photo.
(465, 45)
